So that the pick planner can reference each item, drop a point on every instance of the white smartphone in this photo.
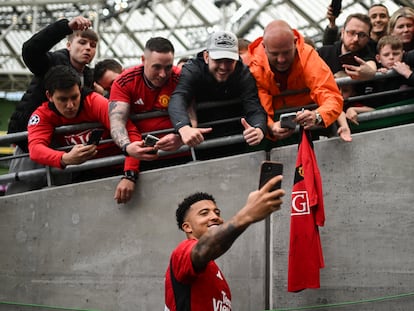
(287, 120)
(150, 141)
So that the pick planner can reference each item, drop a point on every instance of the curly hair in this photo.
(185, 205)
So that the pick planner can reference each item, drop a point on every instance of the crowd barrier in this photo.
(396, 110)
(74, 247)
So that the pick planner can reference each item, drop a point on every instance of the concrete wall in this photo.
(74, 247)
(368, 235)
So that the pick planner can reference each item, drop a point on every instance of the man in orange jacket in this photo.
(290, 73)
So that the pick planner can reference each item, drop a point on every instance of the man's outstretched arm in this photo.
(215, 242)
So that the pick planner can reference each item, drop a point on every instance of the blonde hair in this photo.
(406, 12)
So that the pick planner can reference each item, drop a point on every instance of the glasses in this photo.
(353, 33)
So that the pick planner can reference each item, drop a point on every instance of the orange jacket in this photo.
(308, 71)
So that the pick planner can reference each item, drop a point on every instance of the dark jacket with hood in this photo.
(39, 60)
(197, 84)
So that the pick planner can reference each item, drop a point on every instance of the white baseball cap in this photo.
(223, 44)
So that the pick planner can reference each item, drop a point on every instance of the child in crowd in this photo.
(390, 55)
(390, 58)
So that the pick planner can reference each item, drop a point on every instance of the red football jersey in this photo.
(133, 88)
(203, 291)
(307, 213)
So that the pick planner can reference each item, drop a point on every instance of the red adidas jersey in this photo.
(132, 87)
(46, 118)
(203, 291)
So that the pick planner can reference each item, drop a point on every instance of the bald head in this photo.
(280, 45)
(278, 30)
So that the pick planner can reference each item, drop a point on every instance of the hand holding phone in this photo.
(287, 120)
(150, 141)
(268, 170)
(336, 7)
(348, 59)
(95, 137)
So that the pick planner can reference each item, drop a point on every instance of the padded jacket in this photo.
(310, 81)
(196, 83)
(39, 60)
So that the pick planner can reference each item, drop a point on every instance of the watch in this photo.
(130, 175)
(318, 118)
(124, 149)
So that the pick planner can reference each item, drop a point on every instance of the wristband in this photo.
(130, 175)
(124, 149)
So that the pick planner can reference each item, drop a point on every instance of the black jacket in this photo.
(196, 83)
(409, 60)
(39, 60)
(330, 54)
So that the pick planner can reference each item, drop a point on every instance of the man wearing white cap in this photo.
(218, 74)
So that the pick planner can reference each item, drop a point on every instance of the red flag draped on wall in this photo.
(307, 213)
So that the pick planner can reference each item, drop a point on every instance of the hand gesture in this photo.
(169, 142)
(252, 135)
(193, 136)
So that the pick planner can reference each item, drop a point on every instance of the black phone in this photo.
(287, 120)
(150, 141)
(95, 137)
(336, 6)
(268, 170)
(348, 59)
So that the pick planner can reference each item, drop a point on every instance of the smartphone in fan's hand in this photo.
(95, 137)
(150, 141)
(348, 59)
(336, 7)
(268, 170)
(287, 120)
